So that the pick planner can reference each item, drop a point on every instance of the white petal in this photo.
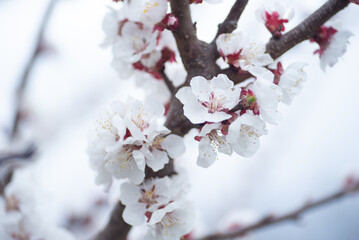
(207, 153)
(174, 146)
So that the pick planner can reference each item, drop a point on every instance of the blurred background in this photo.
(307, 156)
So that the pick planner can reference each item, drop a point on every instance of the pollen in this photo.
(149, 6)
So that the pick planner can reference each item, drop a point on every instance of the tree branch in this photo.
(306, 29)
(230, 23)
(116, 228)
(199, 60)
(293, 215)
(28, 67)
(28, 153)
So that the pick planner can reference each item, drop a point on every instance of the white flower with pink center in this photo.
(129, 40)
(159, 148)
(208, 100)
(142, 118)
(171, 222)
(237, 50)
(212, 141)
(133, 41)
(138, 199)
(267, 96)
(244, 133)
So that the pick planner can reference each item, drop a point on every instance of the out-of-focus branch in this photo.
(306, 29)
(230, 23)
(167, 81)
(28, 153)
(29, 66)
(293, 215)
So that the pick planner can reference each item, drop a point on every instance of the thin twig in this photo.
(168, 82)
(293, 215)
(28, 68)
(230, 23)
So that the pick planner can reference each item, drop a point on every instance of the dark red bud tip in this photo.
(195, 1)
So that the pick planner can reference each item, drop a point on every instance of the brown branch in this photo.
(234, 76)
(28, 68)
(116, 228)
(230, 23)
(293, 215)
(306, 29)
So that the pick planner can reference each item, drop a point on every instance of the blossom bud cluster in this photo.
(19, 218)
(134, 34)
(232, 117)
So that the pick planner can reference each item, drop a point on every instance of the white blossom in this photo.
(242, 53)
(208, 101)
(148, 12)
(139, 199)
(336, 48)
(291, 81)
(171, 222)
(213, 141)
(268, 96)
(244, 133)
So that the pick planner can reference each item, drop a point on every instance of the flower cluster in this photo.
(234, 118)
(161, 204)
(332, 44)
(127, 138)
(134, 34)
(19, 219)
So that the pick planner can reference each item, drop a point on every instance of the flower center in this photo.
(149, 196)
(216, 138)
(140, 122)
(214, 103)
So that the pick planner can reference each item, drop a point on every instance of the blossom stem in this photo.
(292, 215)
